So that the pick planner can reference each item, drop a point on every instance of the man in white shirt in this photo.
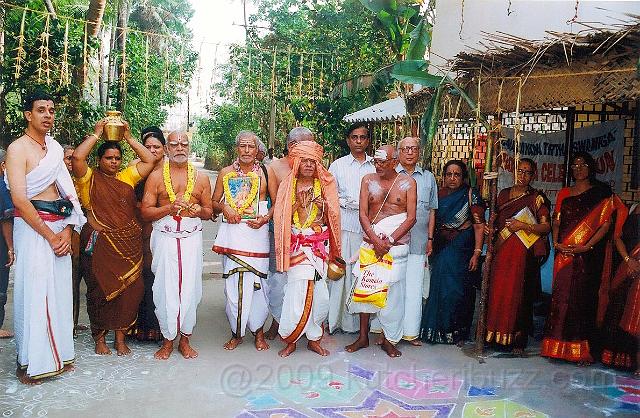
(348, 172)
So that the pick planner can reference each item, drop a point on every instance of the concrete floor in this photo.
(428, 381)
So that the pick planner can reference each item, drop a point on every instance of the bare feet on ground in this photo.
(290, 348)
(316, 347)
(122, 349)
(81, 327)
(102, 348)
(185, 349)
(165, 351)
(69, 367)
(416, 342)
(25, 379)
(361, 342)
(272, 333)
(261, 344)
(233, 343)
(460, 344)
(390, 349)
(5, 334)
(379, 339)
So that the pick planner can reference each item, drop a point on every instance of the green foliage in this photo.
(169, 69)
(339, 40)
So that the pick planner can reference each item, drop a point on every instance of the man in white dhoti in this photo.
(306, 220)
(348, 172)
(176, 199)
(277, 280)
(243, 239)
(387, 213)
(417, 277)
(46, 209)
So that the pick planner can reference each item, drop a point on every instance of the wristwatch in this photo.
(391, 240)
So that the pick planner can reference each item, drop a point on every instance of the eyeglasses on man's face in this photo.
(409, 149)
(579, 166)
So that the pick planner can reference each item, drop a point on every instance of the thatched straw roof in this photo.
(595, 65)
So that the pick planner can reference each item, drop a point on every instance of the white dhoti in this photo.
(413, 296)
(340, 290)
(42, 303)
(389, 318)
(42, 297)
(306, 296)
(245, 265)
(176, 247)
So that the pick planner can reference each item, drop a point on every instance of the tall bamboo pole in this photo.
(490, 169)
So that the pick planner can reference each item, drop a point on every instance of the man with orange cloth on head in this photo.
(306, 220)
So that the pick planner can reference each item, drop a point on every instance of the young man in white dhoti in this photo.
(387, 213)
(243, 240)
(46, 209)
(177, 199)
(306, 220)
(277, 280)
(420, 244)
(348, 172)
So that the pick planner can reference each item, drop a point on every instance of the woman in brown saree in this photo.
(112, 238)
(583, 256)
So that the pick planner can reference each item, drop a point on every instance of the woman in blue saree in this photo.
(457, 246)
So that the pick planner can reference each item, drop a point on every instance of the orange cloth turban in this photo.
(283, 207)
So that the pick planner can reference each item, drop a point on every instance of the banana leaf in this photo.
(420, 39)
(429, 125)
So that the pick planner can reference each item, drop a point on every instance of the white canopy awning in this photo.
(389, 110)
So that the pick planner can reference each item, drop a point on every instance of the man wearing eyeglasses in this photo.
(420, 244)
(348, 172)
(387, 214)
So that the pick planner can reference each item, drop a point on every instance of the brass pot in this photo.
(114, 128)
(336, 269)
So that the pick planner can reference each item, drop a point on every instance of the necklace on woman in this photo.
(43, 146)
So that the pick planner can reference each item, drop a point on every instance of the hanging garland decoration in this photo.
(168, 185)
(301, 69)
(44, 64)
(317, 190)
(146, 67)
(123, 70)
(273, 74)
(21, 54)
(64, 66)
(85, 54)
(311, 89)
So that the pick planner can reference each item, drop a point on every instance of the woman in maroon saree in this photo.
(520, 244)
(581, 221)
(621, 330)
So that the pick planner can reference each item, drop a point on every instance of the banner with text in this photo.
(604, 141)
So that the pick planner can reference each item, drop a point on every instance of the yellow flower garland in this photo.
(317, 190)
(255, 182)
(166, 176)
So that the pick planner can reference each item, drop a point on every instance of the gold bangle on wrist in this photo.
(477, 250)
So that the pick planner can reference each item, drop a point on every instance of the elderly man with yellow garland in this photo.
(306, 219)
(240, 195)
(176, 199)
